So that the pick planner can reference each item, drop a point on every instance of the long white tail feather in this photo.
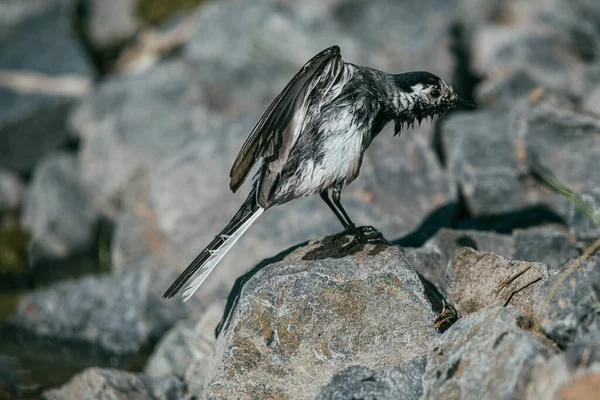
(217, 255)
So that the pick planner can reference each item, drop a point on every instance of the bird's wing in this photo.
(272, 136)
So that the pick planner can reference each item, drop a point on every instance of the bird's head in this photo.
(423, 95)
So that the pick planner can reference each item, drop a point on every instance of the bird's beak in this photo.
(460, 102)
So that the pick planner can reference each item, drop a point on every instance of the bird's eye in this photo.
(435, 93)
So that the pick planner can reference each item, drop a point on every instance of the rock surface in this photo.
(484, 355)
(116, 314)
(403, 381)
(43, 70)
(118, 385)
(567, 305)
(58, 211)
(431, 260)
(313, 313)
(481, 280)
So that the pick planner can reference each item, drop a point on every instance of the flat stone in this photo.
(431, 260)
(310, 312)
(484, 355)
(403, 381)
(481, 279)
(118, 385)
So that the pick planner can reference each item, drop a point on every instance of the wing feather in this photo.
(267, 138)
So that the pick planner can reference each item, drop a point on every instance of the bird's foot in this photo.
(363, 235)
(368, 235)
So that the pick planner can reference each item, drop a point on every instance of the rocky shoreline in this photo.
(121, 162)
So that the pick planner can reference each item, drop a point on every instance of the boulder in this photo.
(114, 314)
(321, 309)
(12, 190)
(481, 280)
(566, 305)
(485, 355)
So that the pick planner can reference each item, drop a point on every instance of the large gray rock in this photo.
(113, 384)
(481, 157)
(484, 355)
(481, 280)
(431, 260)
(34, 56)
(311, 312)
(404, 381)
(116, 314)
(58, 211)
(565, 142)
(567, 305)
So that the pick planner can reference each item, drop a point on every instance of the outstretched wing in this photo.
(272, 136)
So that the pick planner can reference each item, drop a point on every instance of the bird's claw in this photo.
(363, 235)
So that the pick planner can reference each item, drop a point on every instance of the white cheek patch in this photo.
(418, 88)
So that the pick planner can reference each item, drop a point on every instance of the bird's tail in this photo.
(208, 259)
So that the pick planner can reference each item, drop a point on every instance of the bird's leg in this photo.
(362, 234)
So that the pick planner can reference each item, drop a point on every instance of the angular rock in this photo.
(506, 89)
(199, 368)
(118, 385)
(481, 156)
(43, 70)
(58, 211)
(565, 142)
(431, 260)
(578, 23)
(403, 381)
(544, 245)
(110, 23)
(480, 280)
(116, 314)
(314, 313)
(484, 355)
(566, 305)
(533, 50)
(185, 344)
(560, 379)
(12, 190)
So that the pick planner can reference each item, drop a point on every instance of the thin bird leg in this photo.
(331, 197)
(362, 234)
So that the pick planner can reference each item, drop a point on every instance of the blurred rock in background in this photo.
(120, 121)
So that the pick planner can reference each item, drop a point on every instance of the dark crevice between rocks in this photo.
(463, 81)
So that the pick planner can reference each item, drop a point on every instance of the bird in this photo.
(312, 139)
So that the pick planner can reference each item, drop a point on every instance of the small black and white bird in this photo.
(312, 139)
